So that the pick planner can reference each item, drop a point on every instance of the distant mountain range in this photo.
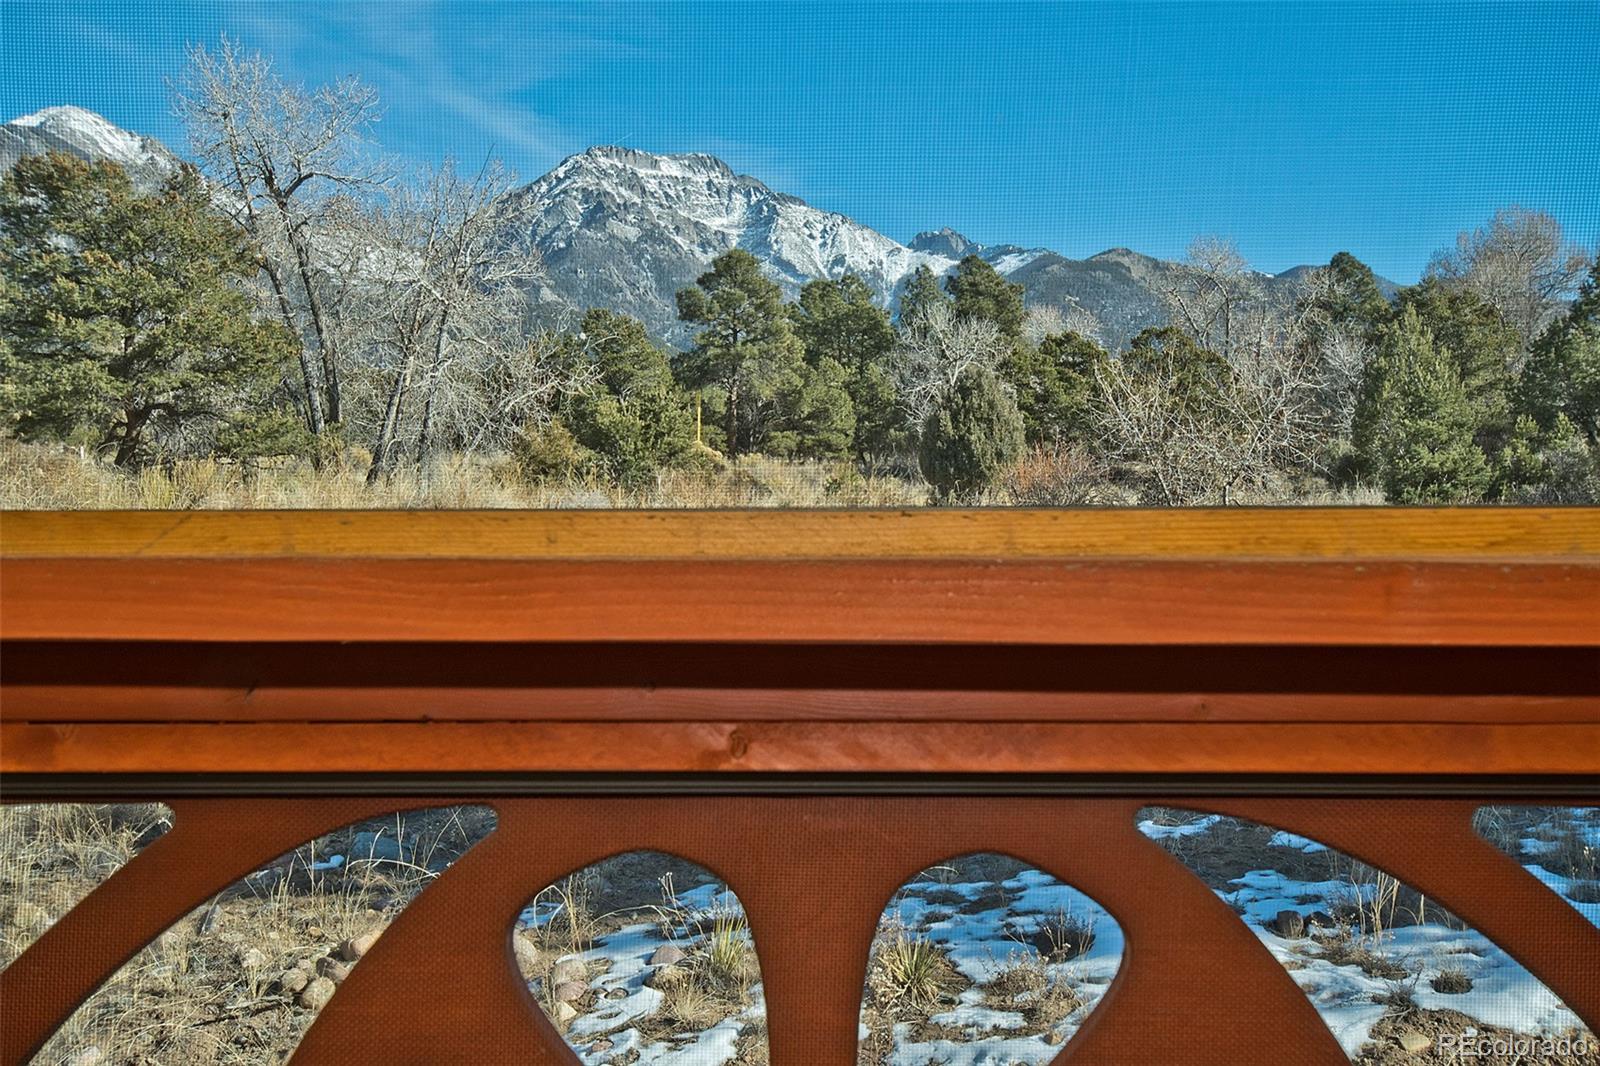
(626, 229)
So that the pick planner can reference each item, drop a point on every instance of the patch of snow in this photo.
(1564, 887)
(1157, 831)
(982, 943)
(1504, 994)
(1009, 1051)
(1005, 264)
(1281, 839)
(626, 954)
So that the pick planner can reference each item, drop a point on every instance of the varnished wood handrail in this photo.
(87, 599)
(1291, 533)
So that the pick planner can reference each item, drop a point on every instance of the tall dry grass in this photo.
(210, 988)
(44, 477)
(54, 854)
(41, 477)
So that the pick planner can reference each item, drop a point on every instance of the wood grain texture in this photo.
(1419, 749)
(1304, 533)
(1085, 602)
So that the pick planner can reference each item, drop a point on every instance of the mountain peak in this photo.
(680, 165)
(944, 242)
(83, 133)
(67, 113)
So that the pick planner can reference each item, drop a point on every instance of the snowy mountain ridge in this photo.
(87, 135)
(627, 229)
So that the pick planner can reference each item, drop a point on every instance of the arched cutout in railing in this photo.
(645, 958)
(54, 854)
(1558, 845)
(1392, 973)
(239, 979)
(984, 959)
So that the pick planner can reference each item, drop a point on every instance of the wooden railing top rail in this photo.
(1286, 642)
(1290, 533)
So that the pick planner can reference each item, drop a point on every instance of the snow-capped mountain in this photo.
(88, 136)
(627, 229)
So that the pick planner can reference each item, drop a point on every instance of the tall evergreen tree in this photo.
(748, 352)
(1348, 298)
(814, 416)
(636, 418)
(980, 292)
(123, 315)
(922, 292)
(1055, 386)
(971, 433)
(1425, 421)
(746, 349)
(1562, 375)
(840, 321)
(1479, 342)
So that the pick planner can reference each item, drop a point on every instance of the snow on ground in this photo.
(624, 997)
(980, 944)
(1504, 994)
(983, 940)
(1565, 886)
(1158, 831)
(1280, 839)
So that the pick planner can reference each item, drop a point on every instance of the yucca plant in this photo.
(909, 973)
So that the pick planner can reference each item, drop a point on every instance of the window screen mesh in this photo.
(821, 255)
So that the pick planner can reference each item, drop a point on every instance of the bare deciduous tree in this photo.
(1195, 445)
(1042, 322)
(1208, 296)
(1520, 263)
(279, 152)
(450, 300)
(936, 349)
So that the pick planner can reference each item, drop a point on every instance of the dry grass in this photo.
(54, 854)
(1026, 986)
(38, 477)
(47, 477)
(1057, 937)
(714, 980)
(210, 989)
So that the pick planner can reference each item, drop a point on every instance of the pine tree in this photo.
(749, 354)
(1562, 375)
(980, 292)
(1423, 434)
(841, 321)
(1482, 346)
(1352, 296)
(746, 350)
(814, 414)
(636, 419)
(1195, 378)
(1055, 386)
(922, 292)
(123, 315)
(971, 434)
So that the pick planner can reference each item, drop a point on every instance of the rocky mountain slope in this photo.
(88, 136)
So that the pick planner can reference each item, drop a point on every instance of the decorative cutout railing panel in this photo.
(815, 726)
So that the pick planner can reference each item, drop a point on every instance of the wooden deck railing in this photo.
(814, 706)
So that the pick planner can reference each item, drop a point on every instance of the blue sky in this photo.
(1297, 128)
